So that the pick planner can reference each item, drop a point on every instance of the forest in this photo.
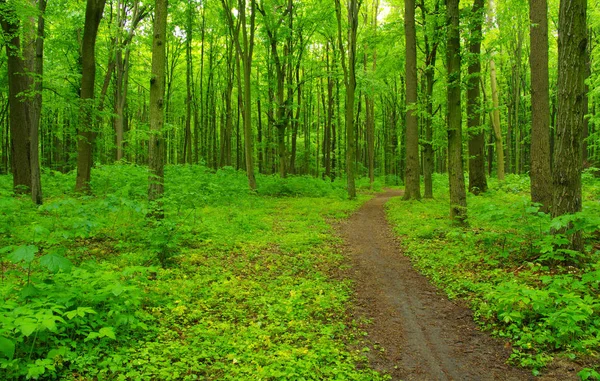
(299, 189)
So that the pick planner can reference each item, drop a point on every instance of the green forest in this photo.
(299, 190)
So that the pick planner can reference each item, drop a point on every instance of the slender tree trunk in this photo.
(85, 135)
(541, 175)
(430, 60)
(496, 123)
(572, 45)
(156, 152)
(187, 142)
(477, 179)
(350, 82)
(411, 175)
(458, 198)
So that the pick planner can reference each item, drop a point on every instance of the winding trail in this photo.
(417, 333)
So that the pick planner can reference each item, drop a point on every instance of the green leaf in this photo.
(23, 253)
(29, 291)
(117, 289)
(56, 263)
(107, 332)
(28, 328)
(7, 347)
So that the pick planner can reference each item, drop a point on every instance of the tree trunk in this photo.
(156, 151)
(187, 142)
(458, 198)
(411, 175)
(477, 180)
(85, 134)
(350, 82)
(541, 175)
(566, 176)
(496, 123)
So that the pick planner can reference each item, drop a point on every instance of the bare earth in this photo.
(417, 333)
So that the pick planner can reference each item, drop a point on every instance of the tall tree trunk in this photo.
(430, 60)
(496, 123)
(350, 82)
(458, 197)
(477, 180)
(541, 174)
(411, 175)
(85, 135)
(566, 176)
(245, 49)
(156, 152)
(20, 109)
(187, 142)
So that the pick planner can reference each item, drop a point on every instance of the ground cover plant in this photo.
(520, 281)
(230, 285)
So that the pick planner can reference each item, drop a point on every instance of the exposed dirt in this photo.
(417, 333)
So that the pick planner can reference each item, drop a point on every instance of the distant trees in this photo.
(272, 85)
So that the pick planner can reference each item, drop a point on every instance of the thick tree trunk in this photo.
(25, 70)
(412, 169)
(458, 198)
(541, 175)
(85, 134)
(566, 176)
(156, 152)
(477, 179)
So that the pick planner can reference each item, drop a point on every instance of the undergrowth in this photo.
(521, 282)
(230, 285)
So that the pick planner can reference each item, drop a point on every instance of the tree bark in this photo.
(156, 152)
(350, 82)
(412, 169)
(541, 174)
(458, 198)
(85, 134)
(477, 179)
(496, 123)
(566, 176)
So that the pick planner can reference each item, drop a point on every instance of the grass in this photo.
(231, 285)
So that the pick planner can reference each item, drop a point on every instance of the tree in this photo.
(245, 51)
(411, 174)
(25, 69)
(431, 48)
(350, 81)
(566, 176)
(477, 180)
(541, 175)
(458, 197)
(496, 122)
(85, 134)
(156, 147)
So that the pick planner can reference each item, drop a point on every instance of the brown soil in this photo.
(416, 333)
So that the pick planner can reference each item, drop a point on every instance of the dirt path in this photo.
(423, 335)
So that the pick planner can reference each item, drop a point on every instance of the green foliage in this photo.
(521, 280)
(230, 285)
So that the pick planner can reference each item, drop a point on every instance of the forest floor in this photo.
(417, 333)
